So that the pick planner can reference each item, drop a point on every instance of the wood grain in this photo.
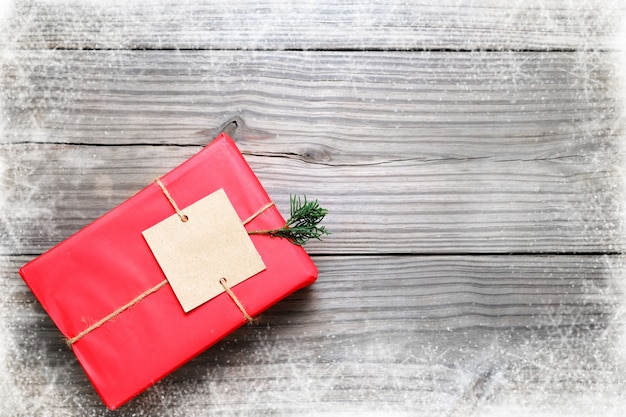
(424, 104)
(327, 24)
(419, 335)
(442, 136)
(456, 206)
(412, 152)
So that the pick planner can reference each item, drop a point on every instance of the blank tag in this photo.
(211, 244)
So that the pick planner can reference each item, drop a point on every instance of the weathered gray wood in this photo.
(423, 336)
(407, 206)
(440, 152)
(328, 24)
(425, 105)
(513, 150)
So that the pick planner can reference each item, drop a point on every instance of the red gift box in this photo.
(108, 263)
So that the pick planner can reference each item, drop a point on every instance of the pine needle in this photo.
(303, 223)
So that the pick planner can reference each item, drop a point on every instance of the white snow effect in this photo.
(620, 71)
(9, 395)
(538, 362)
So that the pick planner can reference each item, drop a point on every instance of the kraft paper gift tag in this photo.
(194, 253)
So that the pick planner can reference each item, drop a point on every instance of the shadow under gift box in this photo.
(108, 264)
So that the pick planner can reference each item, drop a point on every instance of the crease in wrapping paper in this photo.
(210, 245)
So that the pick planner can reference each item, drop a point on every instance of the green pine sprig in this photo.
(303, 223)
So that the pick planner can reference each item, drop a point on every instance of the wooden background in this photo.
(469, 153)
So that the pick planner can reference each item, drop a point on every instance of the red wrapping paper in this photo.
(108, 263)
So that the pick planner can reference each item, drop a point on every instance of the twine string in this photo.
(257, 213)
(116, 313)
(134, 301)
(233, 297)
(183, 216)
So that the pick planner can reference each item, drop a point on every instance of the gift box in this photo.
(111, 295)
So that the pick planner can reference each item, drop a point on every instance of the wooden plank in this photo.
(412, 152)
(327, 24)
(446, 206)
(436, 335)
(421, 105)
